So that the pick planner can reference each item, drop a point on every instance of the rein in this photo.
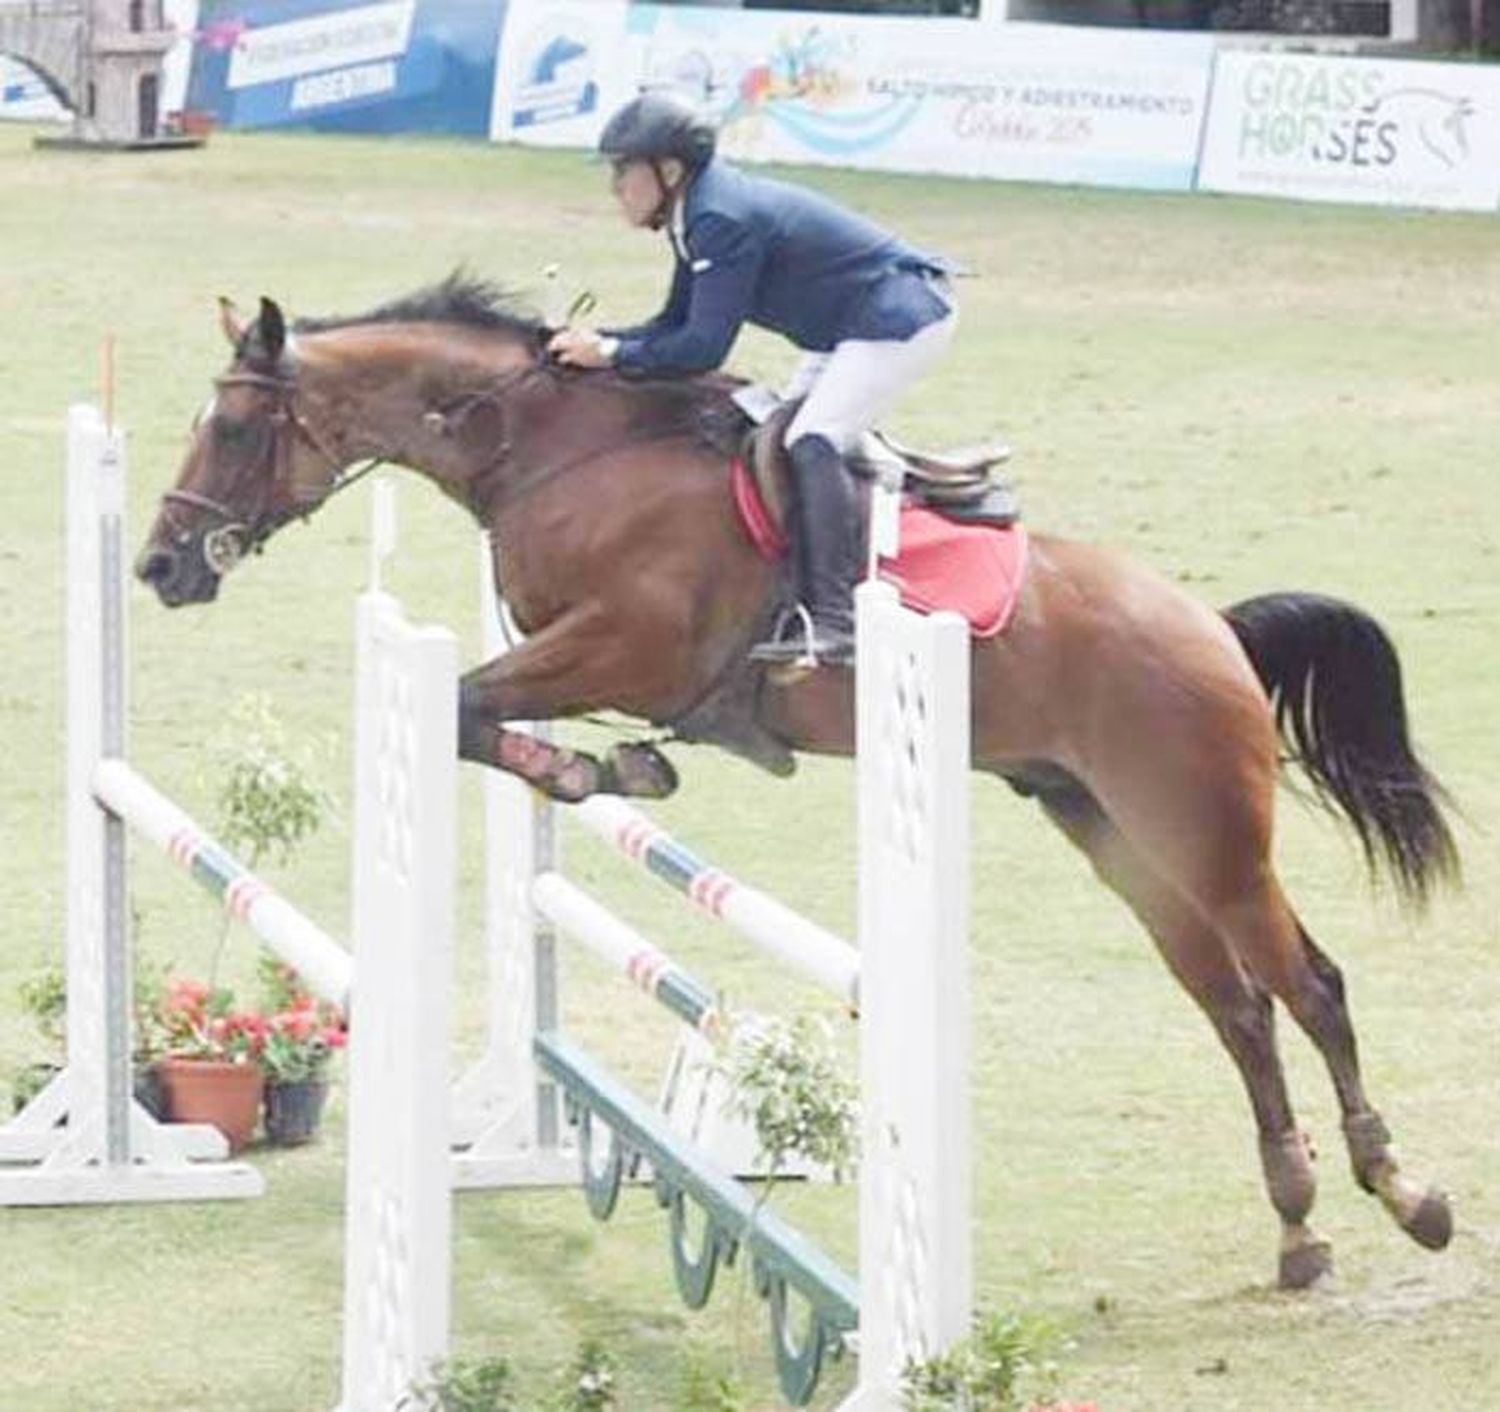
(449, 416)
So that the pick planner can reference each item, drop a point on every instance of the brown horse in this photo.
(1145, 724)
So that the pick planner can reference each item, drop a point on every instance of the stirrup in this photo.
(785, 647)
(799, 652)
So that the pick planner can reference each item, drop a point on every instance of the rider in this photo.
(871, 314)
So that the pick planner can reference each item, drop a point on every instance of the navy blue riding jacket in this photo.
(763, 252)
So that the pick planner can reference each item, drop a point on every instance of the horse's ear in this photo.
(271, 327)
(231, 321)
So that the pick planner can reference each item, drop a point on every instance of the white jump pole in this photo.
(823, 958)
(321, 963)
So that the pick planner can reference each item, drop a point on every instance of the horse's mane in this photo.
(465, 299)
(471, 301)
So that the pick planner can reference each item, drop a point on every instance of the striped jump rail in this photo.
(569, 908)
(322, 963)
(784, 1259)
(822, 957)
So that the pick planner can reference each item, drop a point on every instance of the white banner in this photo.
(950, 96)
(559, 73)
(1392, 132)
(318, 43)
(962, 97)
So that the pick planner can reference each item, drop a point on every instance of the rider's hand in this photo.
(582, 348)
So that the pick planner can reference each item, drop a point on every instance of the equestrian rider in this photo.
(871, 314)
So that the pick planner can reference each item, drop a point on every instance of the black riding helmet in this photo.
(657, 125)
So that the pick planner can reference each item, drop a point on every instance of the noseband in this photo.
(234, 536)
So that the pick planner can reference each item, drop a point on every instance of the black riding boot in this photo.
(829, 558)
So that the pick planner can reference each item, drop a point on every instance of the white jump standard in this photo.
(84, 1138)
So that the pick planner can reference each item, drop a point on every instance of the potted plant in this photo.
(210, 1070)
(302, 1034)
(210, 1065)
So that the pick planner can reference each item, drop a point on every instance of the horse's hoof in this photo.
(1304, 1265)
(639, 771)
(1431, 1224)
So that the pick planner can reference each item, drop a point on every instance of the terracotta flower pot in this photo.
(213, 1091)
(294, 1110)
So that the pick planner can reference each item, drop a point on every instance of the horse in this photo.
(1147, 726)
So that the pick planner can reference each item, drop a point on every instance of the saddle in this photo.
(957, 484)
(747, 424)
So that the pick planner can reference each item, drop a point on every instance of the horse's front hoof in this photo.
(1302, 1266)
(1431, 1224)
(638, 771)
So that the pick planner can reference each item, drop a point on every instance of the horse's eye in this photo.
(231, 434)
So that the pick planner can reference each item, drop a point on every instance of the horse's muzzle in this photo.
(177, 578)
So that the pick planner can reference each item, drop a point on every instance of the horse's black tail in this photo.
(1334, 682)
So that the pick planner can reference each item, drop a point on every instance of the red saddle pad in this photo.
(975, 570)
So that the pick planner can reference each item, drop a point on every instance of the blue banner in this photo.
(380, 66)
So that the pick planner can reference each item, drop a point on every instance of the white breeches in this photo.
(849, 389)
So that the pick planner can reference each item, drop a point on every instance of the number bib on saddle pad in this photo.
(975, 570)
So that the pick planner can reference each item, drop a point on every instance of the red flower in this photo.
(295, 1024)
(186, 996)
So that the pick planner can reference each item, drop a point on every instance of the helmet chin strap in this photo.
(670, 191)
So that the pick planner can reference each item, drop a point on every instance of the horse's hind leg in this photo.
(1216, 857)
(1258, 923)
(1239, 1009)
(1315, 996)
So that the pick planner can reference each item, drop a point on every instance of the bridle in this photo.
(237, 534)
(234, 534)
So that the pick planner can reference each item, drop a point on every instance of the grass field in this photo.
(1250, 395)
